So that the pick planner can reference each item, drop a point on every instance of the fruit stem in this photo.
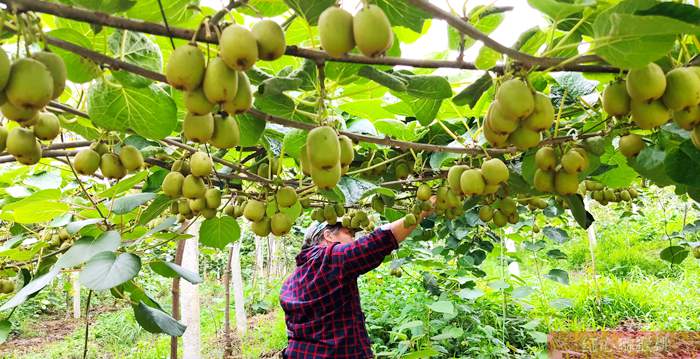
(561, 109)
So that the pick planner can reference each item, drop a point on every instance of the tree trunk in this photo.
(191, 340)
(237, 283)
(259, 261)
(176, 292)
(75, 290)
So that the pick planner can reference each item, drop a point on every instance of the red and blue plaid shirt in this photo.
(321, 300)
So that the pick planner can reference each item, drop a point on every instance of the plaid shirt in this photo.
(321, 300)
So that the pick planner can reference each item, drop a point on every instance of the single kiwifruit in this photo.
(111, 166)
(193, 187)
(196, 103)
(682, 89)
(494, 171)
(546, 158)
(648, 115)
(401, 170)
(515, 98)
(646, 83)
(238, 48)
(323, 148)
(197, 204)
(200, 164)
(326, 178)
(485, 213)
(347, 154)
(20, 141)
(280, 224)
(286, 196)
(494, 138)
(46, 126)
(565, 183)
(630, 145)
(572, 162)
(335, 31)
(212, 196)
(544, 181)
(524, 138)
(172, 184)
(56, 67)
(243, 99)
(198, 128)
(131, 158)
(372, 31)
(454, 175)
(424, 192)
(185, 67)
(86, 162)
(687, 119)
(208, 213)
(262, 227)
(30, 85)
(499, 121)
(4, 68)
(270, 39)
(254, 210)
(220, 82)
(499, 218)
(472, 182)
(542, 116)
(226, 133)
(19, 114)
(616, 100)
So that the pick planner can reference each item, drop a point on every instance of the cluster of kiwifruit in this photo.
(326, 156)
(329, 213)
(268, 168)
(356, 220)
(517, 116)
(27, 85)
(447, 204)
(556, 174)
(533, 203)
(186, 179)
(499, 211)
(379, 202)
(7, 286)
(467, 181)
(111, 165)
(60, 238)
(262, 223)
(369, 29)
(604, 195)
(653, 98)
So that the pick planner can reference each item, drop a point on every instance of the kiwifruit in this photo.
(424, 192)
(30, 85)
(326, 178)
(494, 171)
(524, 138)
(582, 152)
(264, 170)
(304, 161)
(200, 164)
(280, 224)
(286, 196)
(646, 83)
(401, 170)
(230, 210)
(329, 211)
(682, 89)
(544, 181)
(539, 203)
(172, 184)
(377, 203)
(409, 220)
(499, 218)
(687, 119)
(86, 162)
(20, 141)
(262, 227)
(335, 31)
(220, 82)
(243, 99)
(99, 147)
(197, 204)
(32, 156)
(515, 98)
(347, 154)
(565, 183)
(111, 166)
(56, 67)
(323, 148)
(185, 67)
(616, 100)
(196, 103)
(208, 213)
(609, 195)
(19, 114)
(183, 207)
(182, 166)
(238, 48)
(372, 31)
(508, 205)
(270, 38)
(3, 138)
(495, 139)
(212, 196)
(625, 195)
(339, 209)
(648, 115)
(193, 187)
(226, 132)
(472, 182)
(499, 121)
(491, 188)
(46, 126)
(542, 116)
(131, 158)
(630, 145)
(485, 213)
(572, 162)
(198, 128)
(546, 158)
(254, 210)
(4, 68)
(454, 178)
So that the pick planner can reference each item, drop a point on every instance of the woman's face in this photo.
(342, 235)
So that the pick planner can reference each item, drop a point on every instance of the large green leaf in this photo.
(487, 58)
(126, 204)
(108, 6)
(650, 164)
(177, 11)
(444, 307)
(293, 141)
(557, 10)
(172, 270)
(251, 129)
(155, 209)
(266, 8)
(353, 189)
(156, 321)
(472, 93)
(5, 327)
(106, 270)
(85, 248)
(124, 185)
(674, 254)
(401, 13)
(399, 129)
(485, 21)
(79, 69)
(148, 111)
(383, 78)
(41, 206)
(683, 164)
(138, 49)
(556, 234)
(558, 275)
(428, 86)
(217, 232)
(309, 10)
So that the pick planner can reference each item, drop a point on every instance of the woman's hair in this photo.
(314, 234)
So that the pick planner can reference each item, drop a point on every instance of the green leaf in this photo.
(485, 21)
(30, 288)
(309, 10)
(165, 224)
(172, 270)
(487, 58)
(443, 306)
(684, 12)
(425, 353)
(87, 247)
(674, 254)
(557, 10)
(423, 109)
(148, 111)
(293, 141)
(106, 270)
(558, 275)
(155, 209)
(353, 189)
(79, 69)
(470, 294)
(124, 185)
(137, 49)
(177, 11)
(578, 210)
(156, 321)
(39, 212)
(449, 333)
(251, 129)
(383, 78)
(75, 227)
(277, 85)
(399, 130)
(556, 234)
(472, 93)
(217, 232)
(650, 164)
(556, 254)
(266, 8)
(429, 87)
(5, 327)
(108, 6)
(128, 203)
(401, 13)
(683, 164)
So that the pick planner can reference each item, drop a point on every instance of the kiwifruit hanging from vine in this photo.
(254, 210)
(4, 68)
(270, 38)
(648, 115)
(472, 182)
(616, 100)
(197, 204)
(19, 114)
(230, 210)
(630, 145)
(499, 121)
(3, 138)
(183, 207)
(485, 213)
(524, 138)
(454, 175)
(424, 192)
(682, 89)
(286, 196)
(409, 220)
(208, 213)
(329, 214)
(372, 31)
(212, 196)
(542, 116)
(280, 224)
(193, 187)
(546, 158)
(32, 156)
(172, 184)
(182, 166)
(544, 181)
(111, 167)
(515, 98)
(198, 128)
(323, 148)
(495, 139)
(226, 133)
(491, 188)
(56, 67)
(401, 170)
(185, 67)
(499, 218)
(46, 126)
(646, 83)
(347, 154)
(86, 162)
(131, 158)
(565, 183)
(326, 178)
(508, 205)
(687, 119)
(335, 31)
(304, 161)
(238, 48)
(582, 152)
(200, 164)
(243, 99)
(30, 85)
(494, 171)
(264, 171)
(20, 141)
(196, 103)
(220, 82)
(572, 162)
(262, 227)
